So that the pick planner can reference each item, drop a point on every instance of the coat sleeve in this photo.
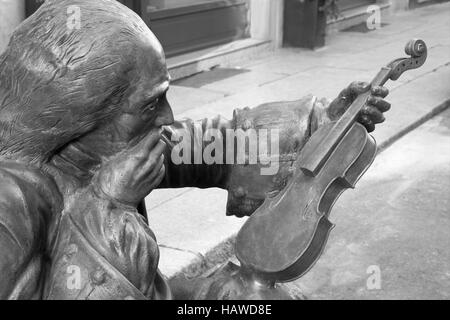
(23, 217)
(185, 162)
(103, 250)
(191, 169)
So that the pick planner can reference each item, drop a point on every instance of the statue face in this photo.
(247, 188)
(146, 107)
(105, 91)
(143, 106)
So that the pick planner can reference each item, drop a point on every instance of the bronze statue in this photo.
(81, 117)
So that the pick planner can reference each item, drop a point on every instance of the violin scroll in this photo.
(417, 50)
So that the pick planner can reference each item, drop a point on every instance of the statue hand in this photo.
(371, 113)
(133, 174)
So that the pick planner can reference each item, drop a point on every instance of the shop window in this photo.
(351, 4)
(188, 25)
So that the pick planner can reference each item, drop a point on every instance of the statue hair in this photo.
(58, 83)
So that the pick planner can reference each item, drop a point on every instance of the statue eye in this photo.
(152, 105)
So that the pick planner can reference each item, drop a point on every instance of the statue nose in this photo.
(165, 115)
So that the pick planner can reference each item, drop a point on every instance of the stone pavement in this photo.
(190, 223)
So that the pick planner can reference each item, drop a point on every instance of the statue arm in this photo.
(309, 113)
(297, 120)
(185, 163)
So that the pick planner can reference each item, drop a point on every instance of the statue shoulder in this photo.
(28, 183)
(22, 231)
(26, 200)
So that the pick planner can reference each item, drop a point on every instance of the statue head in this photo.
(247, 186)
(96, 86)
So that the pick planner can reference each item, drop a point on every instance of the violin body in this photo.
(283, 239)
(284, 245)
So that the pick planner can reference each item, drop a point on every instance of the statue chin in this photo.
(242, 207)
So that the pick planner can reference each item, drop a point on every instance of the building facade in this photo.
(221, 27)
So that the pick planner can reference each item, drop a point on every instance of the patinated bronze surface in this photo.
(81, 112)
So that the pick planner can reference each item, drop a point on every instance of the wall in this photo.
(399, 5)
(12, 12)
(266, 20)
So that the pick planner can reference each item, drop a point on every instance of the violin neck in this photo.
(350, 116)
(313, 162)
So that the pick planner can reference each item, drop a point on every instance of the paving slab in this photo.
(244, 81)
(413, 101)
(161, 196)
(185, 98)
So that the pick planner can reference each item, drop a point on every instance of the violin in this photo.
(283, 239)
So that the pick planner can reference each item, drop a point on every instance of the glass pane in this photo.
(168, 4)
(350, 4)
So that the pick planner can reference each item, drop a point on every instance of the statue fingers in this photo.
(379, 103)
(152, 166)
(146, 146)
(347, 96)
(380, 91)
(155, 179)
(375, 115)
(358, 87)
(367, 122)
